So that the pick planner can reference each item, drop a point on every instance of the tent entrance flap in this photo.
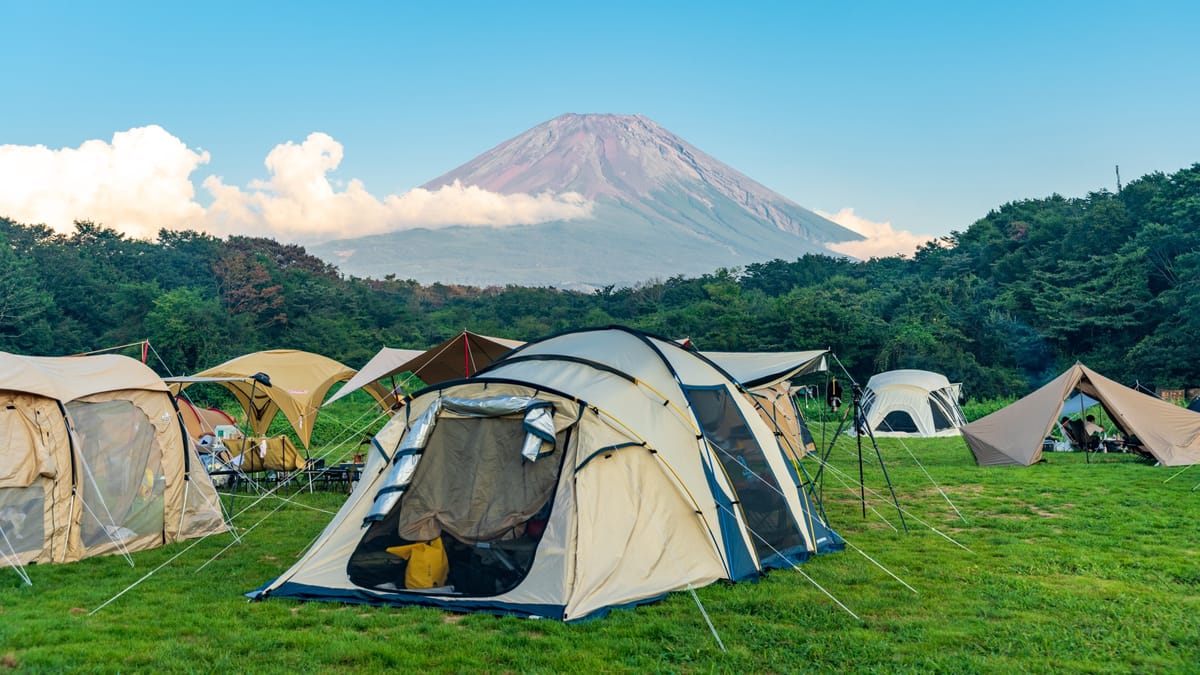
(475, 495)
(123, 477)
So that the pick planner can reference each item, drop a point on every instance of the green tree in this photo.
(188, 330)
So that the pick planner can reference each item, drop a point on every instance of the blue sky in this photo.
(924, 115)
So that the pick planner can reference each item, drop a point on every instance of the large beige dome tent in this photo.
(912, 403)
(589, 470)
(1014, 434)
(94, 460)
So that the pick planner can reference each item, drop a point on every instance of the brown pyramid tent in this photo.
(461, 356)
(1014, 434)
(94, 460)
(296, 383)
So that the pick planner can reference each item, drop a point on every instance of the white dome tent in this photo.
(915, 403)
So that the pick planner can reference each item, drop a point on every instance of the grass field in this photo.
(1072, 567)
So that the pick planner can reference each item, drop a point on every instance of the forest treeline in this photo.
(1107, 279)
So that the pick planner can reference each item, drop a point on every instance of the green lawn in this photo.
(1071, 567)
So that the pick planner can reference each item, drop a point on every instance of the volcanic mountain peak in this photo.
(595, 155)
(659, 207)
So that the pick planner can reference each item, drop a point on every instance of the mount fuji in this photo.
(657, 207)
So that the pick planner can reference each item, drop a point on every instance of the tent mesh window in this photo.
(21, 519)
(897, 420)
(774, 531)
(474, 491)
(946, 413)
(122, 473)
(940, 421)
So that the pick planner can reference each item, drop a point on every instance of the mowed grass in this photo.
(1066, 566)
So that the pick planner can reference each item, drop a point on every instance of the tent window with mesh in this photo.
(774, 531)
(122, 471)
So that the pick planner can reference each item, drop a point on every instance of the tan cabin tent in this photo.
(460, 356)
(593, 469)
(94, 460)
(269, 453)
(285, 381)
(766, 375)
(1014, 434)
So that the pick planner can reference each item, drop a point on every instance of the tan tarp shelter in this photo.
(1015, 434)
(777, 406)
(296, 383)
(593, 469)
(461, 356)
(272, 453)
(94, 460)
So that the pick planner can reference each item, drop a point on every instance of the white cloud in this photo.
(137, 184)
(880, 240)
(140, 182)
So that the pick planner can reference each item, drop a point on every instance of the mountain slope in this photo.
(661, 208)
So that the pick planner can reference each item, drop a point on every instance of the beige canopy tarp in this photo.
(461, 356)
(759, 370)
(296, 384)
(1014, 434)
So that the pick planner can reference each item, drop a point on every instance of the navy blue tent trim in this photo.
(364, 597)
(737, 555)
(603, 611)
(785, 559)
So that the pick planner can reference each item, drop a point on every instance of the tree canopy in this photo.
(1109, 279)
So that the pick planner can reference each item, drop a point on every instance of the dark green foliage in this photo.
(1108, 279)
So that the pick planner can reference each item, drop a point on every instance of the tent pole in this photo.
(466, 355)
(820, 478)
(856, 397)
(1086, 438)
(863, 428)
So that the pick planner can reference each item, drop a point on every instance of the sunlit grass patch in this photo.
(1067, 566)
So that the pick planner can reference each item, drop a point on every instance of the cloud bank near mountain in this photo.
(881, 240)
(141, 182)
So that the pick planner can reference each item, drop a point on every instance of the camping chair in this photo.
(1074, 433)
(1064, 442)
